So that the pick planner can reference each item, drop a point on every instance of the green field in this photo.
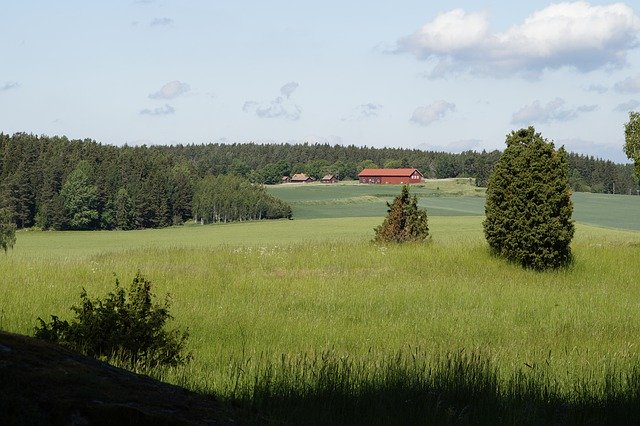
(252, 293)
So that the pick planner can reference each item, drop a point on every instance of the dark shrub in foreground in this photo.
(127, 325)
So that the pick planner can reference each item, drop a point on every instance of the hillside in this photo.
(46, 384)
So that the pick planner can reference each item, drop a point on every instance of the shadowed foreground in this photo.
(42, 383)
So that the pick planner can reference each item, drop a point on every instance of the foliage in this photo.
(528, 207)
(128, 325)
(80, 197)
(404, 221)
(232, 198)
(125, 214)
(7, 230)
(632, 140)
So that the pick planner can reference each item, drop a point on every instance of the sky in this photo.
(446, 76)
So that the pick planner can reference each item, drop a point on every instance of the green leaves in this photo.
(528, 208)
(124, 324)
(632, 140)
(80, 198)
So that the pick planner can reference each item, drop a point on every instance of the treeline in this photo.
(211, 201)
(268, 163)
(57, 183)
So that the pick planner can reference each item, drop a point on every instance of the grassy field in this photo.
(445, 197)
(279, 302)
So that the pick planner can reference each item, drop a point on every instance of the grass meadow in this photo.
(308, 322)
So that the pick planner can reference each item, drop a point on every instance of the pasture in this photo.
(268, 301)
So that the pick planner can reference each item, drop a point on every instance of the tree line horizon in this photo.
(134, 187)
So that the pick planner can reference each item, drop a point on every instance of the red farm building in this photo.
(390, 176)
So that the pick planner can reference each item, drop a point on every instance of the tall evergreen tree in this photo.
(80, 197)
(528, 207)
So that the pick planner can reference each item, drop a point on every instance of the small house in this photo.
(301, 178)
(402, 176)
(329, 179)
(286, 179)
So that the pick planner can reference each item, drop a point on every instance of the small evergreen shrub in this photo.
(404, 221)
(128, 325)
(528, 207)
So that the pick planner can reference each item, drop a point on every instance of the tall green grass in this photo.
(292, 317)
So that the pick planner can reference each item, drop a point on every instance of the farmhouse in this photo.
(301, 178)
(390, 176)
(329, 179)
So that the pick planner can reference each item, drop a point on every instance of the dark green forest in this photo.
(58, 183)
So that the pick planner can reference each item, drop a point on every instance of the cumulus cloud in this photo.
(164, 110)
(363, 111)
(9, 85)
(288, 89)
(426, 115)
(171, 90)
(628, 85)
(280, 107)
(569, 34)
(627, 106)
(553, 111)
(161, 22)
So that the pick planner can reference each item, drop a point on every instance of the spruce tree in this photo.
(528, 207)
(404, 221)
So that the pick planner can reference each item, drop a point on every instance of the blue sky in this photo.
(445, 76)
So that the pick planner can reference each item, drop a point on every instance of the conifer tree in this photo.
(404, 221)
(528, 207)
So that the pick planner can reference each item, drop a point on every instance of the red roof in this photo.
(388, 172)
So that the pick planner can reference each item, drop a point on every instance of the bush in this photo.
(404, 221)
(528, 207)
(126, 325)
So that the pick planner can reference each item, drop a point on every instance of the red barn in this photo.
(390, 176)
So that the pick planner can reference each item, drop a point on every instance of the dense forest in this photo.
(57, 183)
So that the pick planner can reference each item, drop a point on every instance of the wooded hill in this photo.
(57, 183)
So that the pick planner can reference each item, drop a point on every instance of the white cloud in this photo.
(9, 85)
(363, 111)
(569, 34)
(552, 111)
(597, 88)
(426, 115)
(171, 90)
(627, 106)
(288, 89)
(628, 85)
(164, 110)
(161, 22)
(280, 107)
